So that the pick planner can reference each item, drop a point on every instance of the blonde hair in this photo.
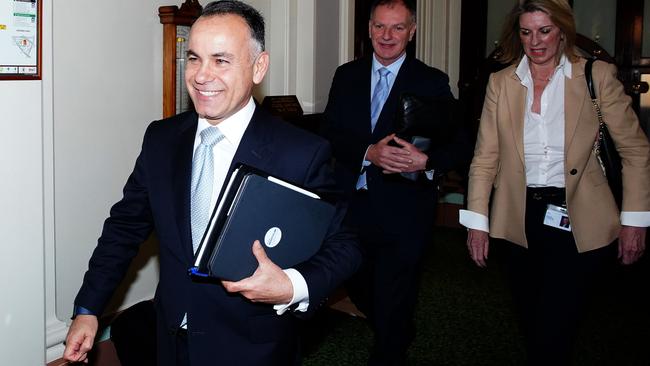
(560, 13)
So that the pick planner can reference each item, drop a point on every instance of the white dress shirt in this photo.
(544, 132)
(544, 142)
(233, 129)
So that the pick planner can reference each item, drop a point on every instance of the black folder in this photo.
(289, 221)
(426, 117)
(425, 121)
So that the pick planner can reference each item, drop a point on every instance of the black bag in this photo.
(133, 333)
(604, 146)
(424, 121)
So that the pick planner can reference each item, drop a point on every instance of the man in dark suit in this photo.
(227, 323)
(394, 215)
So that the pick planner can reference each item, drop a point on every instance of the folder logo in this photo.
(273, 237)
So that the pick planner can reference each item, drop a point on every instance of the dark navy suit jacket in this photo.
(224, 328)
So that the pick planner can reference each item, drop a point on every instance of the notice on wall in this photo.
(20, 39)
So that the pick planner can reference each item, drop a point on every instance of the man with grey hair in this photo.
(394, 215)
(252, 321)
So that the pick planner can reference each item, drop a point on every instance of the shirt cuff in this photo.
(429, 174)
(80, 310)
(365, 162)
(473, 220)
(635, 218)
(300, 293)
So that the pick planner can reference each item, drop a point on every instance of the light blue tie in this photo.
(202, 177)
(379, 96)
(376, 104)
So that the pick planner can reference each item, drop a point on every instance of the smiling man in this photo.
(174, 186)
(394, 215)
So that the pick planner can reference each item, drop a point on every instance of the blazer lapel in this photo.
(181, 181)
(255, 148)
(575, 92)
(516, 97)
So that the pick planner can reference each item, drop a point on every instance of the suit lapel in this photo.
(516, 97)
(181, 181)
(255, 148)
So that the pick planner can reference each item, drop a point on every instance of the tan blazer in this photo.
(499, 157)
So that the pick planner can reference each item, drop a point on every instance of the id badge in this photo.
(557, 217)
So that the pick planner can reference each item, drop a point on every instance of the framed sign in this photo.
(20, 39)
(284, 106)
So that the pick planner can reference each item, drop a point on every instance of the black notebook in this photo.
(290, 223)
(425, 121)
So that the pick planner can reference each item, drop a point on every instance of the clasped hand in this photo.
(393, 159)
(269, 284)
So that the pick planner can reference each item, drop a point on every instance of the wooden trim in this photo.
(102, 354)
(170, 18)
(169, 70)
(591, 47)
(185, 15)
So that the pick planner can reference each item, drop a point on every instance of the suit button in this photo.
(573, 172)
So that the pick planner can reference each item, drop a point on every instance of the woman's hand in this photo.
(478, 243)
(631, 244)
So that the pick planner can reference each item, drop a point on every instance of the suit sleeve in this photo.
(127, 227)
(456, 153)
(340, 255)
(483, 169)
(631, 142)
(346, 148)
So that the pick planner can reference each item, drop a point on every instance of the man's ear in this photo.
(412, 32)
(260, 66)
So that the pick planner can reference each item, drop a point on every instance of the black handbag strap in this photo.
(588, 77)
(592, 92)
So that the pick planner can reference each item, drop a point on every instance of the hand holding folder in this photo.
(288, 221)
(268, 284)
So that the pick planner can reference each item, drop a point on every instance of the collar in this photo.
(523, 69)
(393, 68)
(234, 126)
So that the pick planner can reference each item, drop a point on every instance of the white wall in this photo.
(21, 224)
(327, 50)
(106, 88)
(103, 87)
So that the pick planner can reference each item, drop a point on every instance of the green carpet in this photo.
(465, 317)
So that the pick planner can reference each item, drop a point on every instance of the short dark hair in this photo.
(253, 18)
(408, 4)
(560, 13)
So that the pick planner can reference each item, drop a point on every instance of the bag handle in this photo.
(592, 93)
(602, 127)
(590, 80)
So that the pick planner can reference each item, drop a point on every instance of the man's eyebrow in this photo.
(227, 55)
(404, 24)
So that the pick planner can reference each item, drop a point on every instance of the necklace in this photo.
(542, 79)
